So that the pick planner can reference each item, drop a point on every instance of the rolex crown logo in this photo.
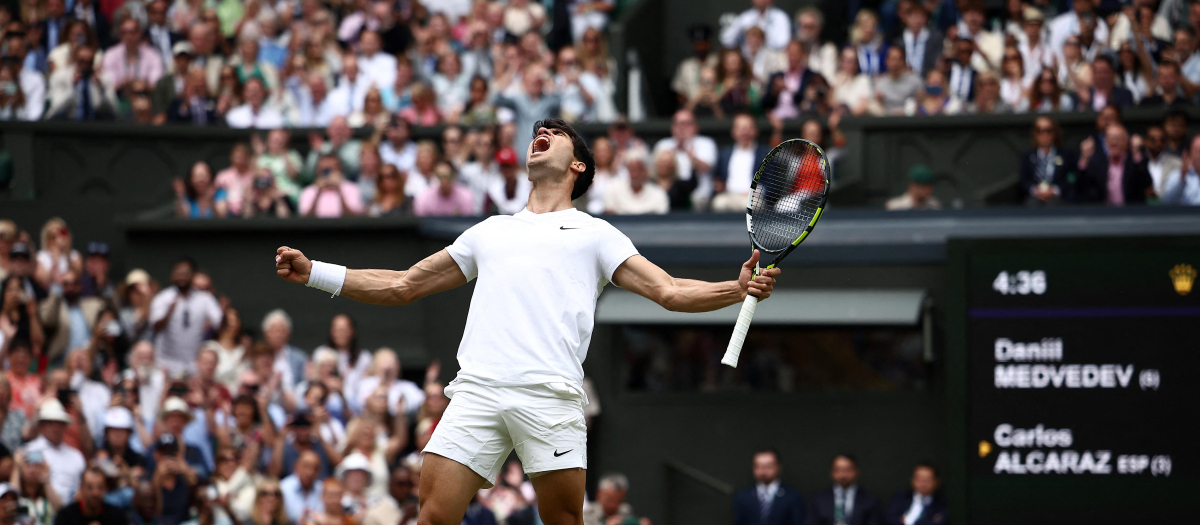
(1183, 276)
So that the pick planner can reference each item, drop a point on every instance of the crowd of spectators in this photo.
(945, 57)
(300, 63)
(843, 502)
(470, 172)
(123, 401)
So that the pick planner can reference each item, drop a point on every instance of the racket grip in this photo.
(739, 331)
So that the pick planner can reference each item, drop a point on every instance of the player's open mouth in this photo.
(541, 144)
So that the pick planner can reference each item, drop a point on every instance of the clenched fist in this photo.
(292, 265)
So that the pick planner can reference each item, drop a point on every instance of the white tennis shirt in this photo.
(534, 306)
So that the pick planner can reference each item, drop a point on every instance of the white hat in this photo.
(52, 410)
(6, 489)
(118, 417)
(355, 461)
(175, 404)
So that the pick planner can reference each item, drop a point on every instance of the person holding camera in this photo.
(11, 511)
(264, 199)
(68, 318)
(31, 480)
(64, 463)
(174, 477)
(331, 195)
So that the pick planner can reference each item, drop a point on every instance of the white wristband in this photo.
(327, 277)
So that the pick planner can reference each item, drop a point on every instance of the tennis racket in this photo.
(786, 198)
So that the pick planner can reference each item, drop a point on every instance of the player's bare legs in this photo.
(560, 496)
(447, 487)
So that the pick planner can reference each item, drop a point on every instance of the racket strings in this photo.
(788, 194)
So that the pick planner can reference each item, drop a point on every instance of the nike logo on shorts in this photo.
(557, 454)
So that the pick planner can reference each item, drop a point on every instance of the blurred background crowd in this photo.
(357, 77)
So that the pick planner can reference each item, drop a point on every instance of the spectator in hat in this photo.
(68, 318)
(446, 198)
(21, 267)
(90, 507)
(95, 281)
(920, 192)
(687, 83)
(182, 315)
(66, 462)
(355, 474)
(8, 506)
(509, 193)
(170, 86)
(175, 416)
(173, 476)
(302, 490)
(134, 314)
(117, 442)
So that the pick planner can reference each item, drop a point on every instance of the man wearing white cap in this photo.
(65, 462)
(118, 429)
(176, 414)
(355, 473)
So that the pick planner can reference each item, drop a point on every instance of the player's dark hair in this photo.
(582, 153)
(929, 465)
(848, 456)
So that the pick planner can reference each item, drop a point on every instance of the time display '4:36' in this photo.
(1024, 282)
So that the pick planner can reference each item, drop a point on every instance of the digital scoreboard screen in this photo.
(1082, 381)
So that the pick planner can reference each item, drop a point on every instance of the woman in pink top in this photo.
(423, 111)
(236, 178)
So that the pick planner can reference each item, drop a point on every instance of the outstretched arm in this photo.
(436, 273)
(646, 279)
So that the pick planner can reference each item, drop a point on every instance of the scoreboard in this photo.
(1074, 371)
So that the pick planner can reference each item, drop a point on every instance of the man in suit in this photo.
(1114, 178)
(922, 44)
(736, 165)
(844, 503)
(1104, 91)
(1159, 162)
(768, 502)
(69, 318)
(54, 27)
(962, 72)
(77, 92)
(1048, 173)
(159, 34)
(923, 505)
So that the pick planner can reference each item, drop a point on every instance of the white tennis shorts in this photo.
(543, 423)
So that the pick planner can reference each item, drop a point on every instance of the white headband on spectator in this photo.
(327, 277)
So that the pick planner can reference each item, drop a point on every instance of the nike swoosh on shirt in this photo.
(566, 228)
(556, 454)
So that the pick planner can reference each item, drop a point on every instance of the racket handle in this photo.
(739, 331)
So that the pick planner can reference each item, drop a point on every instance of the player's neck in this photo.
(549, 196)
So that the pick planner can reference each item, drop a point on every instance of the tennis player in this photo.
(520, 379)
